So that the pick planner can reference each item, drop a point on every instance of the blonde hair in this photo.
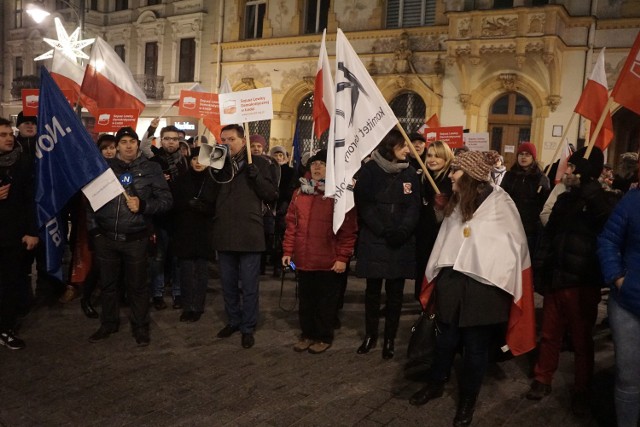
(442, 151)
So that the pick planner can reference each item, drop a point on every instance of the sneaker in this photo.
(302, 345)
(100, 335)
(319, 347)
(538, 390)
(9, 340)
(248, 341)
(227, 331)
(70, 293)
(159, 304)
(177, 302)
(142, 337)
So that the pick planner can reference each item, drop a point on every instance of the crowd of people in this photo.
(472, 235)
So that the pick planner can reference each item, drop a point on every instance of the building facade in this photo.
(513, 68)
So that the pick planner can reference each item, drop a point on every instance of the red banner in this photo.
(112, 119)
(30, 99)
(452, 135)
(199, 104)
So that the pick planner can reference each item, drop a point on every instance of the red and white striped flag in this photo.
(323, 92)
(68, 75)
(627, 89)
(432, 122)
(593, 101)
(108, 80)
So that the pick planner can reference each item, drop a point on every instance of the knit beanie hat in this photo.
(277, 149)
(591, 167)
(320, 155)
(476, 164)
(527, 147)
(25, 119)
(259, 139)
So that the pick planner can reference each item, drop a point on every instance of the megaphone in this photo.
(213, 157)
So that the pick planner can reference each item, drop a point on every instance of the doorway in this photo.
(509, 125)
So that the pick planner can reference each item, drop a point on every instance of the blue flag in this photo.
(67, 159)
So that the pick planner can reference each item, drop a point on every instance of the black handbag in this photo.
(424, 332)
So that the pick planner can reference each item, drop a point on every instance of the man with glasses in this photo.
(174, 167)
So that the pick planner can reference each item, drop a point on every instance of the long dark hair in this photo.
(470, 195)
(391, 140)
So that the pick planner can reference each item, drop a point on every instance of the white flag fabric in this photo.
(362, 118)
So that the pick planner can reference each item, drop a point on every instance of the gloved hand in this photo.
(252, 171)
(440, 201)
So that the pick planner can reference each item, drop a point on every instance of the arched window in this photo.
(509, 124)
(410, 110)
(304, 127)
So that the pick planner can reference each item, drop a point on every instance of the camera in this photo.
(290, 267)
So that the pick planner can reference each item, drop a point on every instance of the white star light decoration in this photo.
(68, 45)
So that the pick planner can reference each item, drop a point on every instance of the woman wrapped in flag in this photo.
(480, 275)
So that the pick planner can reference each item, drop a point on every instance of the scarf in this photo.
(386, 165)
(311, 186)
(10, 158)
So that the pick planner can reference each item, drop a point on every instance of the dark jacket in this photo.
(237, 222)
(309, 238)
(574, 224)
(114, 219)
(17, 211)
(192, 217)
(428, 226)
(176, 167)
(388, 209)
(619, 251)
(522, 185)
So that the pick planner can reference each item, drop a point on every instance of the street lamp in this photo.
(69, 45)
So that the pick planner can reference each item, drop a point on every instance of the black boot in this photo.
(368, 343)
(388, 349)
(432, 390)
(464, 414)
(88, 309)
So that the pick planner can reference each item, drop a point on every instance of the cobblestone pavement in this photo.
(188, 377)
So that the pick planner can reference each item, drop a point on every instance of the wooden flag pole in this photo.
(248, 144)
(425, 171)
(594, 137)
(561, 144)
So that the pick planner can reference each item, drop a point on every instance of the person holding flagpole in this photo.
(387, 198)
(475, 282)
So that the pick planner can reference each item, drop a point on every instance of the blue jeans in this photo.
(158, 264)
(240, 275)
(625, 327)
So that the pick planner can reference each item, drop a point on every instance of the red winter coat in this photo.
(309, 238)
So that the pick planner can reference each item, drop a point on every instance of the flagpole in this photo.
(417, 156)
(594, 136)
(248, 144)
(165, 111)
(560, 145)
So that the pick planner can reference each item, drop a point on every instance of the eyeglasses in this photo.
(171, 138)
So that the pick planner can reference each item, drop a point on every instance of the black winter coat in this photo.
(192, 217)
(17, 211)
(577, 218)
(523, 186)
(388, 208)
(237, 222)
(147, 183)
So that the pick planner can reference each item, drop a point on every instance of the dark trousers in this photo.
(240, 277)
(319, 292)
(12, 283)
(194, 275)
(132, 256)
(394, 289)
(475, 343)
(574, 310)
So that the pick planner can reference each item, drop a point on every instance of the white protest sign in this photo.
(476, 141)
(246, 106)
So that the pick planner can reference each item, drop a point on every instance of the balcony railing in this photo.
(23, 82)
(153, 86)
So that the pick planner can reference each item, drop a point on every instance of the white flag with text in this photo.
(362, 119)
